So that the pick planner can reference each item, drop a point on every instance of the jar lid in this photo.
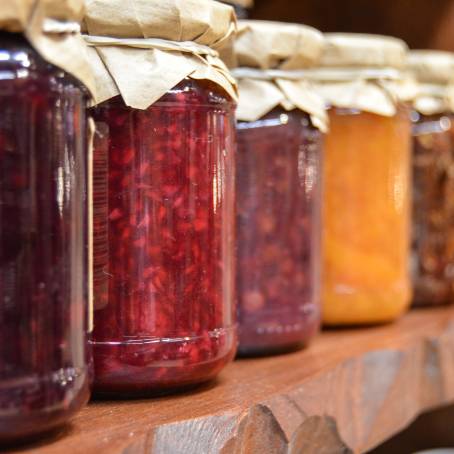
(277, 45)
(203, 22)
(431, 66)
(361, 72)
(52, 28)
(358, 50)
(433, 74)
(141, 50)
(15, 14)
(272, 59)
(243, 3)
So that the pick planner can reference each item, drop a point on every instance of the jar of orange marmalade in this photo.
(366, 232)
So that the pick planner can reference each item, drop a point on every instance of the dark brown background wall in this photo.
(421, 23)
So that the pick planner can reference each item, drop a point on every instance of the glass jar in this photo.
(433, 210)
(44, 367)
(366, 231)
(164, 241)
(278, 225)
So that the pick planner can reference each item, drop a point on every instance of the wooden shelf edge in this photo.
(348, 392)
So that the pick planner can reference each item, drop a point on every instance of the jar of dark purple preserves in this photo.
(278, 222)
(278, 191)
(44, 362)
(164, 225)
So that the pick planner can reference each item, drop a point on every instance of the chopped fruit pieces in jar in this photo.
(164, 240)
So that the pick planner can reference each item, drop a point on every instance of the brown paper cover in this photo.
(144, 71)
(51, 26)
(433, 72)
(277, 50)
(243, 3)
(362, 72)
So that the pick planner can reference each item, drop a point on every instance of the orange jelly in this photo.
(366, 217)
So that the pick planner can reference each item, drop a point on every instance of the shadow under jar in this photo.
(433, 210)
(164, 241)
(44, 365)
(278, 229)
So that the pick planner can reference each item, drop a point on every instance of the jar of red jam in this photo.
(278, 189)
(432, 260)
(164, 235)
(44, 360)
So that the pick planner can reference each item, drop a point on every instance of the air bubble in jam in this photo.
(164, 241)
(278, 231)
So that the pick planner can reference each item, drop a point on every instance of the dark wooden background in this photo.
(421, 23)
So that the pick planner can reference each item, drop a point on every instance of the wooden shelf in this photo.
(349, 391)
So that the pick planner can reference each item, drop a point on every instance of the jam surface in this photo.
(164, 241)
(278, 229)
(43, 243)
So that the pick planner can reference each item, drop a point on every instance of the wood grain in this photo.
(348, 392)
(431, 430)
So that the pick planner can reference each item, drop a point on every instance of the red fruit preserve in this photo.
(44, 374)
(164, 240)
(278, 229)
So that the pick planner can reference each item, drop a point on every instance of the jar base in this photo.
(364, 308)
(268, 343)
(28, 442)
(360, 323)
(128, 389)
(267, 350)
(425, 303)
(102, 393)
(126, 370)
(28, 425)
(430, 291)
